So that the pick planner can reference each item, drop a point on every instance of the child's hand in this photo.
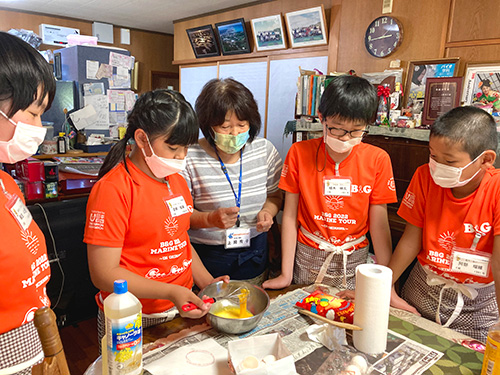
(399, 303)
(279, 282)
(346, 294)
(224, 217)
(224, 278)
(182, 296)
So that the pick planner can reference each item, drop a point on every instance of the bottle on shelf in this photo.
(61, 143)
(491, 361)
(122, 343)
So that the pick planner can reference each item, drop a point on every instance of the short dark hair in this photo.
(220, 96)
(472, 127)
(349, 98)
(485, 82)
(159, 113)
(22, 71)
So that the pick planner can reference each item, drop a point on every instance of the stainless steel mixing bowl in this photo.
(227, 294)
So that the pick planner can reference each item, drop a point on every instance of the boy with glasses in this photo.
(337, 189)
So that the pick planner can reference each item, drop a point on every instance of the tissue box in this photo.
(259, 347)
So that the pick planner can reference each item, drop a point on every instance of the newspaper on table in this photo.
(402, 357)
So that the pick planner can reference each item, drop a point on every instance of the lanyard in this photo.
(224, 170)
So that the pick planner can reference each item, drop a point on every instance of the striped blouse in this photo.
(211, 190)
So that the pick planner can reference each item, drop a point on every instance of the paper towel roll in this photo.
(371, 312)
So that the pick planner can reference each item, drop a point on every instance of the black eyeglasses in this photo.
(336, 132)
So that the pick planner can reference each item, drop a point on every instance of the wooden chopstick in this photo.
(332, 322)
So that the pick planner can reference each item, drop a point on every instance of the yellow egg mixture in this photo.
(232, 312)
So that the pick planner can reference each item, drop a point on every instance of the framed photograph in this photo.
(307, 27)
(441, 95)
(417, 74)
(233, 37)
(203, 41)
(268, 33)
(482, 86)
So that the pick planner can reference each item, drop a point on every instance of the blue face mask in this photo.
(231, 144)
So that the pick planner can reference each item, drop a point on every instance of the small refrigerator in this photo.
(78, 64)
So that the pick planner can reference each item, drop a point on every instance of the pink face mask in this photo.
(447, 176)
(162, 167)
(23, 143)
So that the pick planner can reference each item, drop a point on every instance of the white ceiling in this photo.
(153, 15)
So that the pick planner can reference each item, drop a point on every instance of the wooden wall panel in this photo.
(424, 24)
(472, 20)
(488, 53)
(182, 47)
(154, 51)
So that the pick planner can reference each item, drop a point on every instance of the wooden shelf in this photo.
(76, 155)
(253, 55)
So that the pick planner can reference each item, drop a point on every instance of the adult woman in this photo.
(138, 213)
(233, 176)
(27, 88)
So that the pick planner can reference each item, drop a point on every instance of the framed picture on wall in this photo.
(233, 37)
(307, 27)
(441, 95)
(482, 86)
(417, 74)
(203, 41)
(268, 33)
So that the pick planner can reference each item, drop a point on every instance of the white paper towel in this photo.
(371, 312)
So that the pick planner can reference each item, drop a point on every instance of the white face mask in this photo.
(229, 143)
(341, 147)
(162, 167)
(447, 176)
(24, 142)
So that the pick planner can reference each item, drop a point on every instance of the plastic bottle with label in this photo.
(491, 361)
(122, 343)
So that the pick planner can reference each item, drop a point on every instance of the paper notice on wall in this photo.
(117, 82)
(116, 100)
(117, 59)
(129, 100)
(118, 118)
(84, 117)
(100, 104)
(121, 100)
(121, 72)
(92, 68)
(94, 88)
(104, 71)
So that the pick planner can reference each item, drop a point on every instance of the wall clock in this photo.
(383, 36)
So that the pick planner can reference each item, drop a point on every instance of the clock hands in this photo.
(381, 37)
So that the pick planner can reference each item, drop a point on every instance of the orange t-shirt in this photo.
(130, 211)
(24, 265)
(448, 222)
(337, 219)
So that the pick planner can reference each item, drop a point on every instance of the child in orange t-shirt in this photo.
(138, 213)
(27, 89)
(337, 189)
(453, 225)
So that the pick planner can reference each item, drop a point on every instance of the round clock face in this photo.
(383, 36)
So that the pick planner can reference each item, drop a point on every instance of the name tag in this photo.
(471, 264)
(177, 206)
(340, 186)
(20, 212)
(237, 237)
